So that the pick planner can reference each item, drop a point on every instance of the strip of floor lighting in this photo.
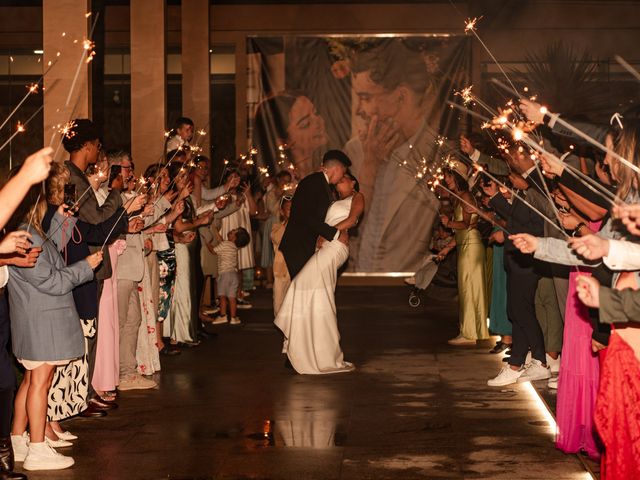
(543, 408)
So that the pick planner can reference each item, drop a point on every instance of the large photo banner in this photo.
(382, 100)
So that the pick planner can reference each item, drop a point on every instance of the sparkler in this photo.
(627, 67)
(470, 26)
(465, 94)
(20, 128)
(582, 135)
(437, 184)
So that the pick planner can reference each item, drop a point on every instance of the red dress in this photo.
(617, 413)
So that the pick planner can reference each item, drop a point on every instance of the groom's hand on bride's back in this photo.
(344, 237)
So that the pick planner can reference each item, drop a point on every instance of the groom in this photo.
(311, 201)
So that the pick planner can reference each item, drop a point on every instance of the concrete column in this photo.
(196, 71)
(148, 82)
(65, 25)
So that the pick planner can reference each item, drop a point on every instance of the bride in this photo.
(308, 314)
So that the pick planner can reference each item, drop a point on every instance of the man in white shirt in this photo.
(181, 134)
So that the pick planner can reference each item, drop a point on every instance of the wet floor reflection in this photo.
(309, 415)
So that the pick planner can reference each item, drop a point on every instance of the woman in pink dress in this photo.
(579, 375)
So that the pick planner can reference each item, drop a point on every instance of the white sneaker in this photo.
(20, 444)
(42, 457)
(235, 321)
(220, 320)
(507, 376)
(554, 365)
(210, 311)
(57, 443)
(66, 435)
(136, 382)
(244, 305)
(553, 383)
(460, 341)
(535, 371)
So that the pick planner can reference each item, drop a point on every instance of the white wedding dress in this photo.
(308, 313)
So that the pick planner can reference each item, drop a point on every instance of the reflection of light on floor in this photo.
(541, 406)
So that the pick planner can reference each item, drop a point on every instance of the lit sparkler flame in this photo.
(33, 88)
(66, 130)
(253, 151)
(470, 25)
(202, 132)
(20, 127)
(465, 94)
(518, 134)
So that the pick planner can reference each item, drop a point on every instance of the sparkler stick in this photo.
(627, 67)
(87, 47)
(33, 88)
(437, 184)
(126, 205)
(589, 182)
(584, 136)
(21, 128)
(514, 193)
(470, 26)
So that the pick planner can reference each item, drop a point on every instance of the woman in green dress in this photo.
(472, 285)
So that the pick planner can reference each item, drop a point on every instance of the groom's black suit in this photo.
(306, 223)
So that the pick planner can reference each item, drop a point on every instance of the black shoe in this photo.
(170, 350)
(287, 364)
(6, 455)
(98, 404)
(93, 412)
(500, 347)
(508, 352)
(204, 335)
(506, 358)
(5, 475)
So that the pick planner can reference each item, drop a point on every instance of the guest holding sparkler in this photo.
(180, 135)
(68, 395)
(46, 330)
(162, 242)
(473, 308)
(522, 280)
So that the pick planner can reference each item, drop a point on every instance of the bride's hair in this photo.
(356, 187)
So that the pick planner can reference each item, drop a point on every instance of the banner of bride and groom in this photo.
(381, 99)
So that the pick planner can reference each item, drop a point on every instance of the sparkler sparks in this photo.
(465, 94)
(20, 127)
(470, 24)
(66, 130)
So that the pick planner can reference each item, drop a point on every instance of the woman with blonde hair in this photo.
(45, 328)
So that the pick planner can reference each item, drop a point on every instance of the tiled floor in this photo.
(415, 408)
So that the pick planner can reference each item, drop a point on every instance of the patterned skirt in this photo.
(70, 387)
(167, 267)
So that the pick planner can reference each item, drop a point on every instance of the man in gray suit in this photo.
(131, 267)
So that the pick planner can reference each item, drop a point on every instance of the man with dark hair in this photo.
(83, 144)
(308, 210)
(181, 134)
(391, 83)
